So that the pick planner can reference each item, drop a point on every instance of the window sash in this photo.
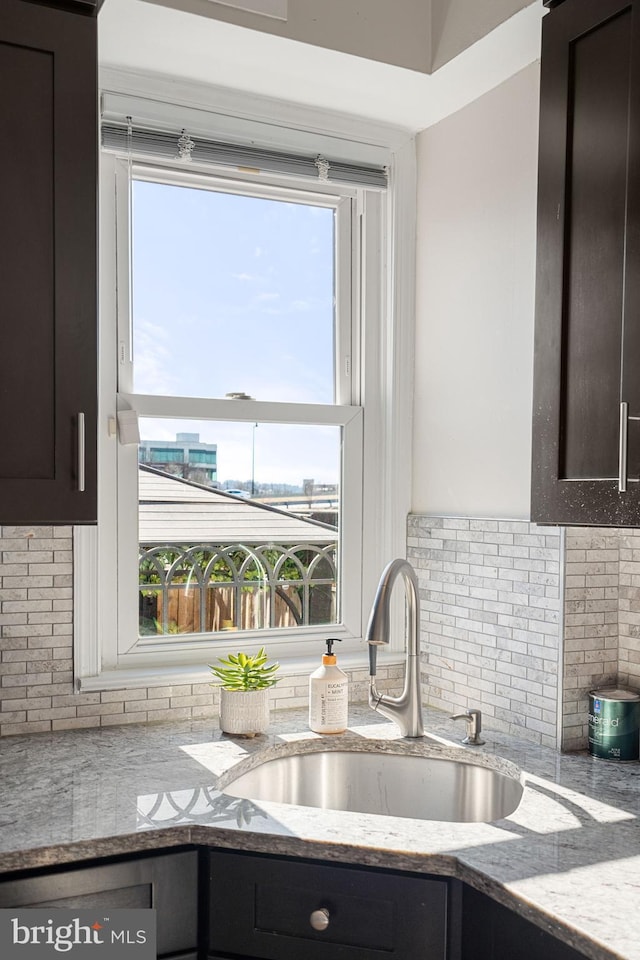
(192, 646)
(345, 203)
(344, 413)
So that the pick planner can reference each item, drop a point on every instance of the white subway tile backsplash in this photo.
(509, 612)
(566, 618)
(493, 655)
(36, 647)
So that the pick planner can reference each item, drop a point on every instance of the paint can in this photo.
(614, 724)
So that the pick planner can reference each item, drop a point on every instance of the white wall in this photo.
(475, 305)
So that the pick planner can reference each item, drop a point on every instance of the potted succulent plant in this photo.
(244, 698)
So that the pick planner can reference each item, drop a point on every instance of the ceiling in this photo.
(140, 36)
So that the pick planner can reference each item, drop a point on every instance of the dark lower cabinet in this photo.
(491, 932)
(586, 405)
(167, 883)
(275, 908)
(269, 908)
(48, 248)
(216, 904)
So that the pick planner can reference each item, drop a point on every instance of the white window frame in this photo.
(377, 476)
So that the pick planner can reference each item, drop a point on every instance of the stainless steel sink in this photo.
(397, 784)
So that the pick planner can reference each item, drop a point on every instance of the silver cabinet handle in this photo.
(81, 453)
(319, 919)
(622, 447)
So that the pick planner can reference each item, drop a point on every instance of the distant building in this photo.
(183, 457)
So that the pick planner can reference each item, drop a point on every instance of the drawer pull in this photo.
(319, 919)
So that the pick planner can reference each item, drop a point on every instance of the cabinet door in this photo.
(48, 310)
(273, 909)
(168, 884)
(588, 267)
(491, 932)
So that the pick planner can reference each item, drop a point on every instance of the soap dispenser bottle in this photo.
(329, 695)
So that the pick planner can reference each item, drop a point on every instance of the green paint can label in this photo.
(614, 724)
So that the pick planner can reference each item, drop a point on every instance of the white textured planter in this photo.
(244, 713)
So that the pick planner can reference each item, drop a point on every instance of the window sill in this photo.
(300, 666)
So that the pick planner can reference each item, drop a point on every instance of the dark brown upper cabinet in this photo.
(586, 410)
(48, 248)
(89, 7)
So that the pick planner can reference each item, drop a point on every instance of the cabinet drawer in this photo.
(262, 907)
(167, 884)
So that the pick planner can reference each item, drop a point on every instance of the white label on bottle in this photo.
(334, 705)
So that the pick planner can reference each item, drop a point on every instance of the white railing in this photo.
(209, 588)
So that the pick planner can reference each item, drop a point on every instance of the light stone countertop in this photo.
(568, 858)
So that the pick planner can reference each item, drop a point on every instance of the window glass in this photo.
(202, 456)
(254, 545)
(162, 454)
(232, 293)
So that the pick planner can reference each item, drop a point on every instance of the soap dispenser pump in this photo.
(329, 695)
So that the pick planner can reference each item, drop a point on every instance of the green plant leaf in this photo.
(243, 672)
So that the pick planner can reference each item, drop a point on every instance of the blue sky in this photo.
(234, 293)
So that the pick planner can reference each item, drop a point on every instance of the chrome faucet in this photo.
(405, 710)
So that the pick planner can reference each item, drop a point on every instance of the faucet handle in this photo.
(474, 726)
